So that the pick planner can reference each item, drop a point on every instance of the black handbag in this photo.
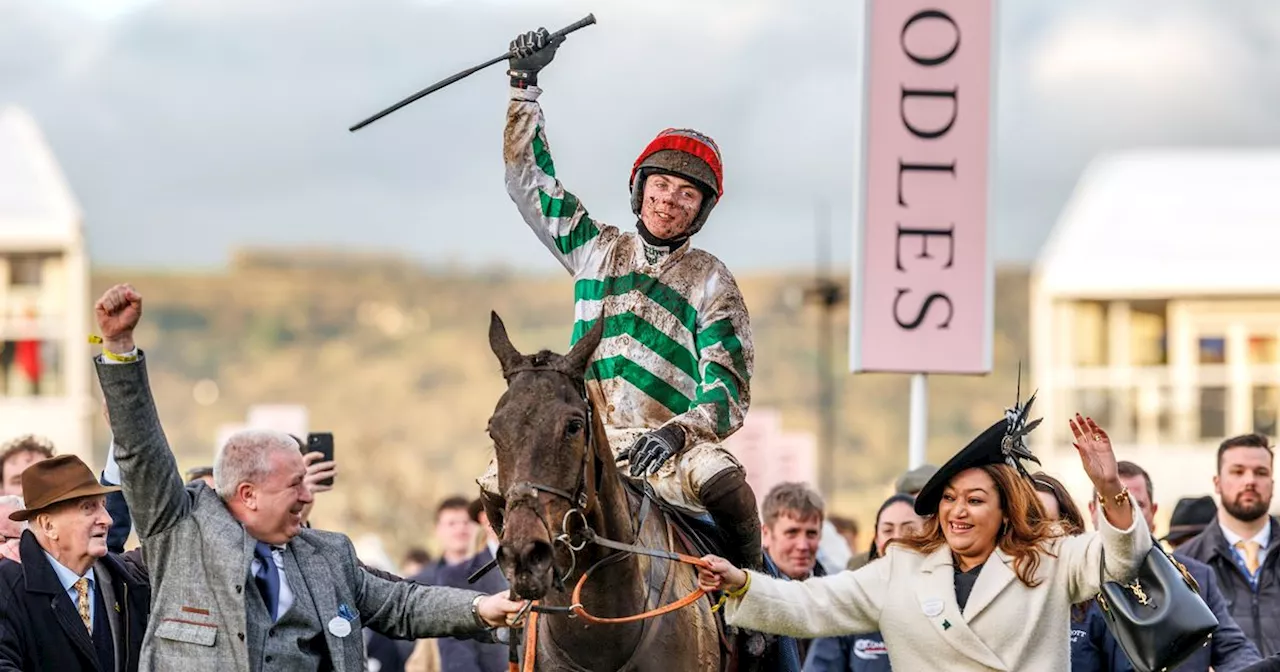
(1158, 618)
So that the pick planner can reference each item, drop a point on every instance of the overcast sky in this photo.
(188, 127)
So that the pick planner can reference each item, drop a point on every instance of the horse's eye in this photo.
(572, 427)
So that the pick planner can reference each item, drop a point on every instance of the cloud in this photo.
(187, 127)
(1151, 73)
(1104, 77)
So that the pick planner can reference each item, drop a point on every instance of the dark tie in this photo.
(267, 577)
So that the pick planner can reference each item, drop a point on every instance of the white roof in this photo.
(36, 206)
(1169, 223)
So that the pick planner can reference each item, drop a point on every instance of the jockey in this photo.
(675, 361)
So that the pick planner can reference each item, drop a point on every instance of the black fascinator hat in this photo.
(1005, 442)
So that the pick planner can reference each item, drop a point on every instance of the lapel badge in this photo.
(946, 625)
(931, 607)
(117, 605)
(339, 627)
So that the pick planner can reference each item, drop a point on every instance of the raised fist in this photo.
(118, 312)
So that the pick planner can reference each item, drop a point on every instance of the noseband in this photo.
(524, 494)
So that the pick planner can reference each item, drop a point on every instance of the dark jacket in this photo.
(121, 522)
(384, 653)
(1257, 610)
(787, 653)
(1095, 650)
(468, 655)
(34, 636)
(848, 653)
(1271, 664)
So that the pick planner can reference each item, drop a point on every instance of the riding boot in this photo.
(732, 505)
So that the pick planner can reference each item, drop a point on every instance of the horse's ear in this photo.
(500, 343)
(575, 363)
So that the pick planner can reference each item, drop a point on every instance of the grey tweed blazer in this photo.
(198, 556)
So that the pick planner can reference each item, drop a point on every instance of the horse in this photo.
(567, 511)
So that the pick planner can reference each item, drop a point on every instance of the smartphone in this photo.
(321, 442)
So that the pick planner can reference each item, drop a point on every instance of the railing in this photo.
(1201, 375)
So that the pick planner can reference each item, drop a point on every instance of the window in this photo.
(1164, 413)
(1089, 334)
(1213, 412)
(1152, 408)
(1134, 421)
(1094, 404)
(31, 369)
(1213, 350)
(26, 270)
(1265, 401)
(1147, 335)
(1262, 350)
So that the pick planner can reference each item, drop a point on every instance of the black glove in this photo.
(531, 52)
(653, 449)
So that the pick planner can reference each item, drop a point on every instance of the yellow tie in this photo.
(1250, 548)
(82, 602)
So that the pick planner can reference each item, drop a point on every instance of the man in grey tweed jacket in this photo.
(237, 583)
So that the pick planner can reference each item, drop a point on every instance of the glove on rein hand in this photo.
(653, 449)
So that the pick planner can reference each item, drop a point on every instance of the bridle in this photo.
(524, 494)
(583, 500)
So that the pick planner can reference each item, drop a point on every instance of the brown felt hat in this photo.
(57, 479)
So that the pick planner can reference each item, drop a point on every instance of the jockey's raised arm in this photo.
(556, 216)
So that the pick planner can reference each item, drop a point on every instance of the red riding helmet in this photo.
(685, 153)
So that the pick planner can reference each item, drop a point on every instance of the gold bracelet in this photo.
(1121, 498)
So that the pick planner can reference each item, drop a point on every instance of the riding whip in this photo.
(559, 34)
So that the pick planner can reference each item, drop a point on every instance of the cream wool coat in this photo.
(910, 598)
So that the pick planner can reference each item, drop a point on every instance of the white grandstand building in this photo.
(44, 295)
(1155, 308)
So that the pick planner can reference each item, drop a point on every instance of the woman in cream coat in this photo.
(989, 583)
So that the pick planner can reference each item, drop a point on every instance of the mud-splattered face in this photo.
(670, 205)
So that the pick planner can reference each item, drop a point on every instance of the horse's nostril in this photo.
(538, 555)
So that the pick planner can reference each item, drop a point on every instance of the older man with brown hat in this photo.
(99, 600)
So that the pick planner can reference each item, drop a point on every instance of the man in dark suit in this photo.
(237, 582)
(1096, 650)
(1242, 544)
(99, 602)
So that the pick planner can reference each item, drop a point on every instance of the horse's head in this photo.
(547, 464)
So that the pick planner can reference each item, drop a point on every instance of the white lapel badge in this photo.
(932, 607)
(339, 626)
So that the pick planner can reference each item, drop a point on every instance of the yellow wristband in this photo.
(118, 358)
(735, 594)
(111, 355)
